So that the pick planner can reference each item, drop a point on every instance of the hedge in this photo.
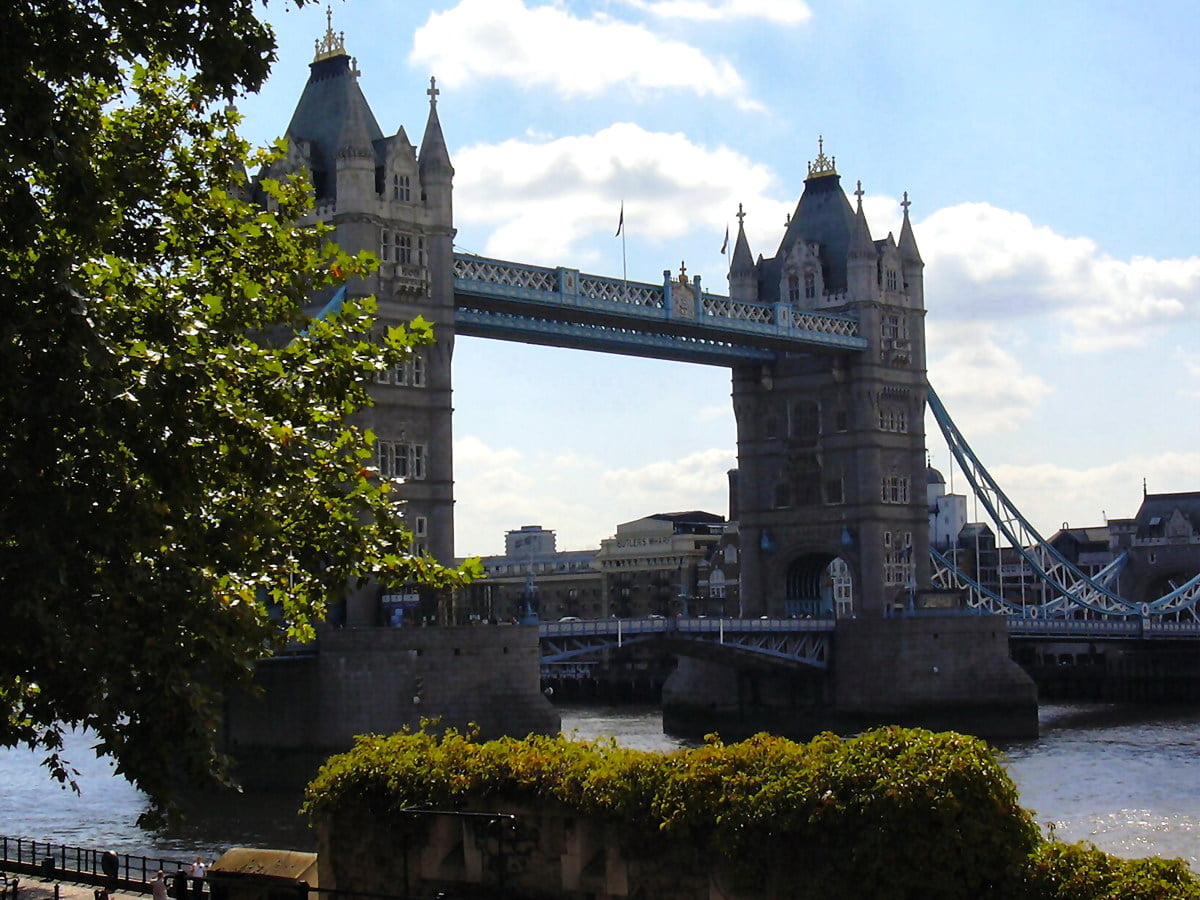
(892, 812)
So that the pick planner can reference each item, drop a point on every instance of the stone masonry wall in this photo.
(379, 680)
(940, 672)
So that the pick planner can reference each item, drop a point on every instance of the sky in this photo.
(1050, 152)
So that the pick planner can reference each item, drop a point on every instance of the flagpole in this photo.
(624, 270)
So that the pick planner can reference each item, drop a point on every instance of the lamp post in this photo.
(529, 616)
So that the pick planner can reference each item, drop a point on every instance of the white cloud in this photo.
(781, 12)
(545, 47)
(988, 263)
(546, 199)
(674, 483)
(983, 385)
(1191, 364)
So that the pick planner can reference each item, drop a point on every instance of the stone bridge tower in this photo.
(383, 195)
(831, 447)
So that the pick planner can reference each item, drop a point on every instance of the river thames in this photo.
(1123, 778)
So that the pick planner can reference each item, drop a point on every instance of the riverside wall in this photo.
(379, 681)
(547, 851)
(945, 673)
(1149, 671)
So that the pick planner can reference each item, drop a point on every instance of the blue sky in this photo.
(1049, 151)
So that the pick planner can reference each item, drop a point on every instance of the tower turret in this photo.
(743, 277)
(355, 160)
(910, 257)
(433, 162)
(861, 279)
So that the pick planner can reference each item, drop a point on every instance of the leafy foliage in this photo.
(891, 813)
(175, 448)
(1059, 871)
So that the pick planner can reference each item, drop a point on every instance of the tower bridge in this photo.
(825, 342)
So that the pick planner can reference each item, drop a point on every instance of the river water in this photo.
(1124, 778)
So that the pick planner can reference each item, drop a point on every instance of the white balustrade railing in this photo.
(724, 308)
(621, 292)
(823, 324)
(494, 272)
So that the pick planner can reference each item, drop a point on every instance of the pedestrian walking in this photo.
(198, 872)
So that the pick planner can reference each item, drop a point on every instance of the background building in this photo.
(532, 577)
(651, 565)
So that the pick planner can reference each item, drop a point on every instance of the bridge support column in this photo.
(946, 673)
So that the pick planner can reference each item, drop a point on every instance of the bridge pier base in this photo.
(946, 673)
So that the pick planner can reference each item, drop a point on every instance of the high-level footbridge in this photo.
(674, 320)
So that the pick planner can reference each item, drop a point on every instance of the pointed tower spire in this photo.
(908, 241)
(742, 262)
(861, 244)
(743, 275)
(433, 156)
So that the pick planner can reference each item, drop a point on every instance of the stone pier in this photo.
(945, 673)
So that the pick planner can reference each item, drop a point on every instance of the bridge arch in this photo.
(818, 583)
(1167, 580)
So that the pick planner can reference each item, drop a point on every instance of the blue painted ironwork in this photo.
(572, 649)
(674, 320)
(1074, 591)
(603, 338)
(803, 642)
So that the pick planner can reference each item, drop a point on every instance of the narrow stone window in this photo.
(793, 288)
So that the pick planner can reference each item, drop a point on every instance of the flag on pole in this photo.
(621, 220)
(725, 243)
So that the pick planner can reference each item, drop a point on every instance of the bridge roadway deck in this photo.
(786, 641)
(1131, 628)
(808, 641)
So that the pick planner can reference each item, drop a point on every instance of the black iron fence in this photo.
(83, 864)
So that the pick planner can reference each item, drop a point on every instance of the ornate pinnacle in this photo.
(332, 44)
(823, 165)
